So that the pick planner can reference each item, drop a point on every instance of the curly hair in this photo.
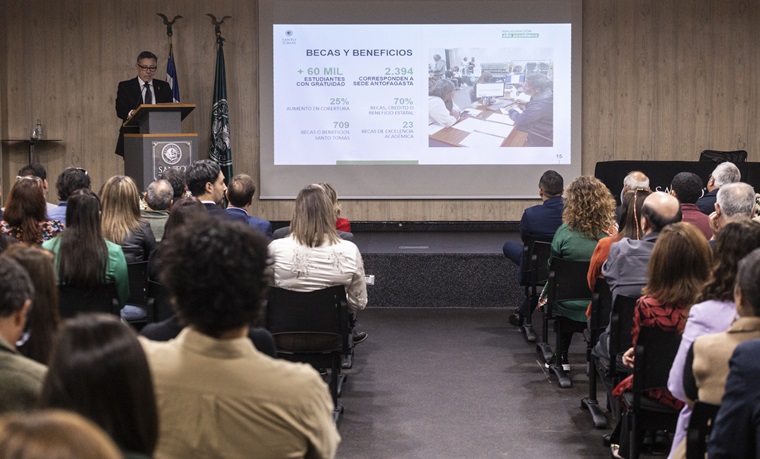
(589, 206)
(733, 242)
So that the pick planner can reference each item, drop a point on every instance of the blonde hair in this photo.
(120, 200)
(314, 217)
(333, 195)
(53, 434)
(589, 206)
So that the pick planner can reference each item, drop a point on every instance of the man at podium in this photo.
(142, 89)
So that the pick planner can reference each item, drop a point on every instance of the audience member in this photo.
(247, 404)
(158, 199)
(678, 267)
(43, 318)
(176, 177)
(736, 428)
(53, 434)
(723, 174)
(240, 196)
(70, 180)
(313, 257)
(38, 170)
(205, 181)
(25, 216)
(734, 202)
(635, 180)
(121, 219)
(20, 377)
(588, 216)
(182, 211)
(630, 227)
(83, 257)
(540, 223)
(716, 309)
(706, 367)
(687, 187)
(98, 369)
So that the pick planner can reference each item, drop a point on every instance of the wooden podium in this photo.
(160, 144)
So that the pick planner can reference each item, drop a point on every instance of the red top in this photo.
(343, 224)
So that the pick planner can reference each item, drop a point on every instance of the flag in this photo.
(220, 151)
(171, 76)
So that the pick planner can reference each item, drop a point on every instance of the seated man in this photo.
(70, 180)
(217, 395)
(723, 174)
(687, 188)
(205, 181)
(539, 222)
(633, 181)
(734, 201)
(20, 377)
(240, 196)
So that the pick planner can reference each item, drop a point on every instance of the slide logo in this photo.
(289, 40)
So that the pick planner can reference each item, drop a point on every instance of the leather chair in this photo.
(700, 425)
(76, 300)
(717, 157)
(601, 308)
(312, 327)
(535, 272)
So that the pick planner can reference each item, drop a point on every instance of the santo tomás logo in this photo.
(171, 153)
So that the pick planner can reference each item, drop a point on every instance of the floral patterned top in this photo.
(650, 312)
(50, 229)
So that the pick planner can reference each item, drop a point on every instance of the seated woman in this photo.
(83, 257)
(314, 257)
(441, 107)
(716, 310)
(121, 220)
(98, 369)
(25, 216)
(589, 215)
(678, 267)
(43, 319)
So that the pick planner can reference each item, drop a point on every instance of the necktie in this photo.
(147, 98)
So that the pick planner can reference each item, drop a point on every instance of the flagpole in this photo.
(171, 68)
(220, 149)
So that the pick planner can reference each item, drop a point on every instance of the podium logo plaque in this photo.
(170, 155)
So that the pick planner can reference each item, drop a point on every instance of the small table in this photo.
(32, 143)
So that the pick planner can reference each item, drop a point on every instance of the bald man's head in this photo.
(634, 180)
(659, 210)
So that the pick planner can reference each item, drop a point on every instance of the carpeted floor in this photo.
(460, 383)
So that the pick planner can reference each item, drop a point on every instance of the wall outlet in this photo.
(370, 280)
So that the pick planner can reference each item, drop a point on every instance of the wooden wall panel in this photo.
(661, 80)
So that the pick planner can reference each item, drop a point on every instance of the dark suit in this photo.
(216, 211)
(263, 226)
(129, 97)
(707, 202)
(736, 430)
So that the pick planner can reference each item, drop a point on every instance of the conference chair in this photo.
(566, 282)
(619, 341)
(700, 425)
(137, 274)
(535, 271)
(654, 354)
(715, 156)
(159, 301)
(601, 308)
(312, 327)
(75, 300)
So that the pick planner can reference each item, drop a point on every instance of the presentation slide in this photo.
(418, 99)
(348, 94)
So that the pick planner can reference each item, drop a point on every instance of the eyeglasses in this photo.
(151, 68)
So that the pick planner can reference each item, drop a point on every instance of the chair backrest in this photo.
(567, 280)
(159, 301)
(715, 156)
(621, 323)
(75, 300)
(539, 261)
(700, 425)
(654, 354)
(601, 306)
(322, 314)
(138, 283)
